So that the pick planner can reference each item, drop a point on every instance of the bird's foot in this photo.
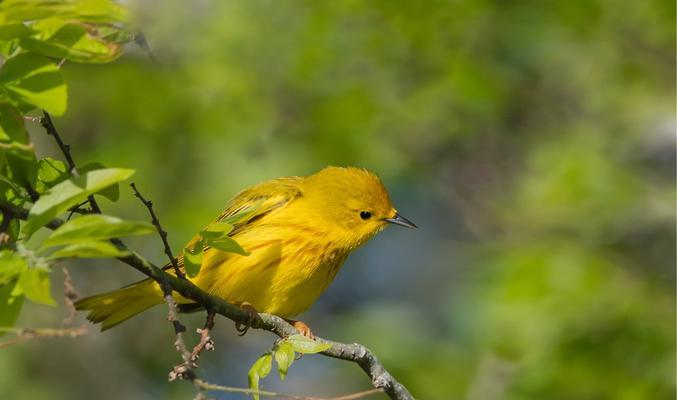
(253, 319)
(302, 328)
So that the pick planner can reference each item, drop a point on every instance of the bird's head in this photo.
(355, 201)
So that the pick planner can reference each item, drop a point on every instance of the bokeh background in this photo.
(532, 142)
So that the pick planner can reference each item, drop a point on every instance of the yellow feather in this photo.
(299, 232)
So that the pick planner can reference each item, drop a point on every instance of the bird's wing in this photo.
(253, 204)
(259, 201)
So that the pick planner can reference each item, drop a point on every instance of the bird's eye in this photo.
(365, 214)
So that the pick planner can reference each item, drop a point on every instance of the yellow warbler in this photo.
(299, 232)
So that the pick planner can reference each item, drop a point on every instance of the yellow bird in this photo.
(299, 233)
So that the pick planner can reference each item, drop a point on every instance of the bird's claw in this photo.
(302, 328)
(252, 320)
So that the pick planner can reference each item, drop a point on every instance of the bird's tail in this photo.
(117, 306)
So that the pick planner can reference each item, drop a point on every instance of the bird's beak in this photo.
(400, 220)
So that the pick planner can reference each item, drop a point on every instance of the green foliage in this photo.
(69, 193)
(192, 259)
(259, 370)
(36, 38)
(284, 353)
(33, 79)
(10, 304)
(89, 249)
(284, 357)
(215, 235)
(96, 227)
(303, 345)
(34, 284)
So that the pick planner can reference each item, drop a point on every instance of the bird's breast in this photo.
(287, 270)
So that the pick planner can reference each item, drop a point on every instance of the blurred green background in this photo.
(532, 142)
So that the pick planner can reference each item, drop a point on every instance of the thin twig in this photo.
(161, 232)
(206, 342)
(228, 389)
(142, 42)
(24, 334)
(70, 294)
(48, 124)
(185, 369)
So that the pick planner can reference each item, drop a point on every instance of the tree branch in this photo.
(48, 124)
(228, 389)
(160, 231)
(24, 334)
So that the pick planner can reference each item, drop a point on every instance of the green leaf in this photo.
(216, 236)
(50, 172)
(11, 265)
(74, 42)
(302, 344)
(258, 371)
(235, 218)
(15, 31)
(9, 191)
(34, 283)
(16, 147)
(224, 243)
(69, 193)
(216, 229)
(89, 250)
(284, 356)
(103, 11)
(95, 227)
(112, 192)
(31, 79)
(23, 171)
(13, 134)
(10, 305)
(192, 259)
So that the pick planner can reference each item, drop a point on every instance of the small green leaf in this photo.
(284, 356)
(16, 147)
(192, 259)
(10, 305)
(74, 42)
(258, 371)
(50, 172)
(11, 265)
(89, 250)
(31, 79)
(227, 244)
(112, 192)
(102, 11)
(34, 283)
(243, 214)
(69, 193)
(13, 134)
(216, 236)
(23, 170)
(15, 31)
(217, 229)
(96, 227)
(302, 344)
